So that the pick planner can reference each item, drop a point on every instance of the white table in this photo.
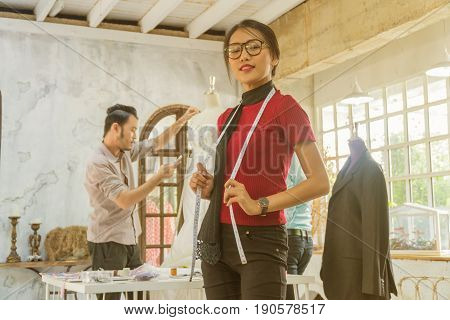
(161, 283)
(297, 281)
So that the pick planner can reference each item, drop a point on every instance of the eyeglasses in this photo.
(253, 48)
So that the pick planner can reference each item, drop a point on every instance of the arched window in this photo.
(158, 211)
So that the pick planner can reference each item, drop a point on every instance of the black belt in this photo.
(298, 232)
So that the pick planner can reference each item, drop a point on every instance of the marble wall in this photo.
(55, 93)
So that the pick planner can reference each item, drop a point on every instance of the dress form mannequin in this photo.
(204, 135)
(358, 206)
(357, 147)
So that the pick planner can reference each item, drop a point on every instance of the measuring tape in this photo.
(194, 238)
(233, 176)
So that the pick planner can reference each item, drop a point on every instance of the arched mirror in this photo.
(158, 212)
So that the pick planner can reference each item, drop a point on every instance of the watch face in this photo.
(264, 202)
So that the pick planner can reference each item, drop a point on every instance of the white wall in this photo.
(302, 90)
(55, 94)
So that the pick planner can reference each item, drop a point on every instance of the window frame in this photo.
(181, 147)
(387, 147)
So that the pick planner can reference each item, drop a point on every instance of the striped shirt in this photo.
(106, 177)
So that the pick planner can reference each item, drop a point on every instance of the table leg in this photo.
(307, 291)
(135, 295)
(202, 294)
(47, 292)
(296, 292)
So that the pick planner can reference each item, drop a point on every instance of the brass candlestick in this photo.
(34, 241)
(13, 256)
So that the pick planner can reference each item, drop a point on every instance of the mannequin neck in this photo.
(357, 148)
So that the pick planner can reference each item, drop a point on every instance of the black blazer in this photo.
(356, 259)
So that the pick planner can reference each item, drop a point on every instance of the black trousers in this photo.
(264, 275)
(114, 256)
(299, 255)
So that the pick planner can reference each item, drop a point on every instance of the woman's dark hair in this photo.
(118, 113)
(267, 33)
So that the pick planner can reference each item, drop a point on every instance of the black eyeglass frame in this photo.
(244, 45)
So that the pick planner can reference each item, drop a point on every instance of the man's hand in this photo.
(167, 170)
(192, 111)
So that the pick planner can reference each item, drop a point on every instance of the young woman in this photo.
(249, 261)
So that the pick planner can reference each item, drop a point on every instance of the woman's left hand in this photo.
(235, 192)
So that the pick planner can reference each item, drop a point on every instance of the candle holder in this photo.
(13, 256)
(34, 240)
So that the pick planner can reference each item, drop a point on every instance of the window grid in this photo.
(407, 144)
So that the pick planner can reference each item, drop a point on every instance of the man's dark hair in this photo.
(268, 36)
(119, 114)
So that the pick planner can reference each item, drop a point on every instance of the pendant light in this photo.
(357, 96)
(442, 69)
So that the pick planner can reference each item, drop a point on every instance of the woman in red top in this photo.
(250, 262)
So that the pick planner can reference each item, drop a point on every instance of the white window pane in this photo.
(342, 115)
(376, 106)
(440, 159)
(377, 135)
(441, 194)
(329, 144)
(379, 157)
(341, 163)
(437, 89)
(396, 130)
(394, 97)
(416, 125)
(327, 118)
(414, 92)
(438, 120)
(362, 132)
(332, 166)
(419, 189)
(343, 137)
(359, 112)
(418, 158)
(398, 162)
(399, 192)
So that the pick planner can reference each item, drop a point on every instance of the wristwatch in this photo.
(264, 205)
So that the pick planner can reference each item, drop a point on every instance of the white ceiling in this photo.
(179, 14)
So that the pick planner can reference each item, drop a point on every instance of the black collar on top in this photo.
(258, 94)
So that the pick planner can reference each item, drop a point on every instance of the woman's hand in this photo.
(235, 192)
(202, 179)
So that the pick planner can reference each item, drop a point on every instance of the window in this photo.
(394, 96)
(158, 212)
(406, 129)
